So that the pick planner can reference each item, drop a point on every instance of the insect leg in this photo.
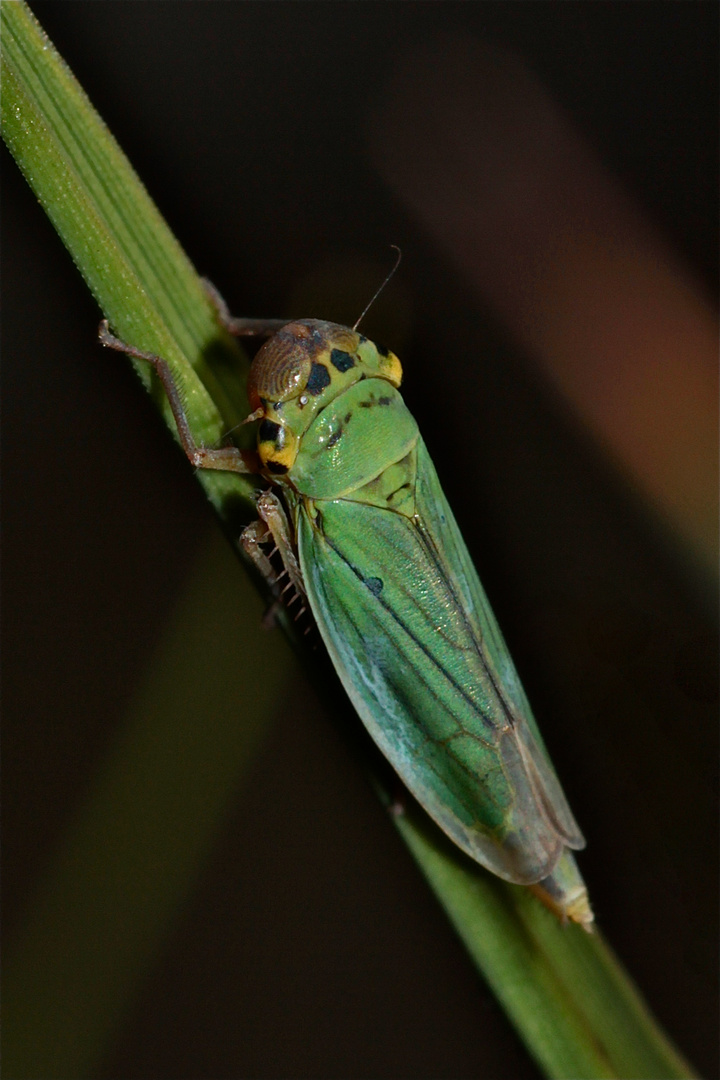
(273, 524)
(227, 458)
(240, 327)
(251, 538)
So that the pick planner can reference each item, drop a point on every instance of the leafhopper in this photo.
(371, 546)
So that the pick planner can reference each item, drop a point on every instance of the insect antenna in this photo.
(377, 292)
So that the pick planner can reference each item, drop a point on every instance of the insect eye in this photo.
(281, 367)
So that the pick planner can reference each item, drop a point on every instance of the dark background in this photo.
(309, 946)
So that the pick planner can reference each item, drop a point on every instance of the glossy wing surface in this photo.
(399, 620)
(436, 515)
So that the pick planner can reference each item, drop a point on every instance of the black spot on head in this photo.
(382, 349)
(335, 437)
(384, 400)
(342, 360)
(375, 585)
(319, 379)
(276, 467)
(268, 431)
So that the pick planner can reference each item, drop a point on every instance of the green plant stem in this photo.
(564, 989)
(568, 997)
(141, 278)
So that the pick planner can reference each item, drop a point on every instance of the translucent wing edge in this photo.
(452, 554)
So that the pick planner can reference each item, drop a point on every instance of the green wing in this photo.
(439, 522)
(418, 650)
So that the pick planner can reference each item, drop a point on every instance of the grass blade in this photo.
(133, 265)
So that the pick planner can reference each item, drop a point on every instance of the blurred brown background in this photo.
(288, 145)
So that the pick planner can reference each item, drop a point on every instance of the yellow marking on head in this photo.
(285, 455)
(391, 368)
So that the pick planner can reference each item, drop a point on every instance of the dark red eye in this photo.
(282, 367)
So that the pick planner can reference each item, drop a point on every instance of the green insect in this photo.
(371, 545)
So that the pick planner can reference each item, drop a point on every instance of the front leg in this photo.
(226, 458)
(273, 525)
